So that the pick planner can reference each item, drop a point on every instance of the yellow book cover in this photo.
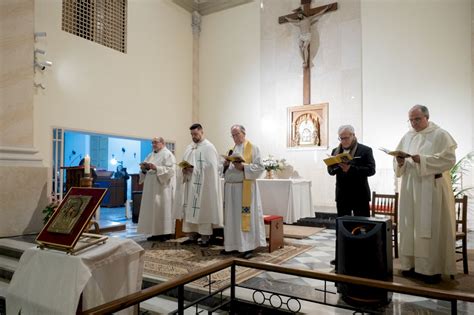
(185, 164)
(340, 158)
(395, 153)
(233, 158)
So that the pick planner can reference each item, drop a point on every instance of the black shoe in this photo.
(247, 254)
(409, 273)
(189, 242)
(204, 243)
(224, 252)
(333, 262)
(434, 279)
(154, 238)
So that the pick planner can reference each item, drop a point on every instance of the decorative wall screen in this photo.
(100, 21)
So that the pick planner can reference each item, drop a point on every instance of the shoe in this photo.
(333, 262)
(204, 243)
(154, 238)
(247, 254)
(189, 242)
(224, 252)
(434, 279)
(409, 273)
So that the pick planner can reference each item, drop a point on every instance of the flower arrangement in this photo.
(50, 208)
(272, 164)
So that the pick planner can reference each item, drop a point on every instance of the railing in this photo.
(145, 294)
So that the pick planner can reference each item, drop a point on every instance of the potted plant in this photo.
(457, 171)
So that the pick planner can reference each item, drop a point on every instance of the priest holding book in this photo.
(198, 191)
(427, 214)
(158, 175)
(244, 229)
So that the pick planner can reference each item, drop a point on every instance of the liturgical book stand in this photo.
(65, 229)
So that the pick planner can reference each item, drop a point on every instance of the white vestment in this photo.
(198, 197)
(427, 217)
(234, 237)
(158, 194)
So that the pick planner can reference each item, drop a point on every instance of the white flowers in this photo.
(272, 164)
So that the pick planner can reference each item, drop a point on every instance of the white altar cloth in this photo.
(51, 282)
(290, 198)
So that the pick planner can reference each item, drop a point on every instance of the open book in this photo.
(395, 153)
(233, 158)
(185, 164)
(340, 158)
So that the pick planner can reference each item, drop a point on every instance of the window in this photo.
(100, 21)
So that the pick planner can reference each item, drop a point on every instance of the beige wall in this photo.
(16, 86)
(142, 93)
(230, 72)
(23, 179)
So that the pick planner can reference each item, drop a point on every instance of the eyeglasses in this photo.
(344, 138)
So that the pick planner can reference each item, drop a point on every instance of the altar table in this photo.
(290, 198)
(51, 282)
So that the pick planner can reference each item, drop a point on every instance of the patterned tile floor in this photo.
(318, 258)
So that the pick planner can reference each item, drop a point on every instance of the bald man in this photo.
(427, 217)
(158, 176)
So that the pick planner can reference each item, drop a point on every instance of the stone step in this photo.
(13, 248)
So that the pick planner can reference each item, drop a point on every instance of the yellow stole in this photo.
(246, 190)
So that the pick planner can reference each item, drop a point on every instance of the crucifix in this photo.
(303, 17)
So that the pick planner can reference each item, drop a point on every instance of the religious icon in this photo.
(69, 214)
(307, 126)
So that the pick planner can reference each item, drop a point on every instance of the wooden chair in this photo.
(461, 231)
(387, 205)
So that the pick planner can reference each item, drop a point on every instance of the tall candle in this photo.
(87, 165)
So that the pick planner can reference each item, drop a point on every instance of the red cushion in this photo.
(268, 218)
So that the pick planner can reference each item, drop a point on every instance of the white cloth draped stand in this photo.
(51, 282)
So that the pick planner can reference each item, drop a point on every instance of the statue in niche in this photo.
(307, 130)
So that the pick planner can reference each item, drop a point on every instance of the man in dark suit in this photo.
(352, 186)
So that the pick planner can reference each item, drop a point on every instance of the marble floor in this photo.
(318, 258)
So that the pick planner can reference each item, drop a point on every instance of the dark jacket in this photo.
(354, 185)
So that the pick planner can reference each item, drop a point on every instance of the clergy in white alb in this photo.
(427, 215)
(198, 192)
(158, 176)
(244, 229)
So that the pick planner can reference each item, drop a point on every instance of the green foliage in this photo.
(462, 167)
(49, 209)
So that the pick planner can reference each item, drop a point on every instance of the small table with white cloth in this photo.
(289, 198)
(51, 282)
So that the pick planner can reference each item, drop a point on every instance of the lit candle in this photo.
(87, 165)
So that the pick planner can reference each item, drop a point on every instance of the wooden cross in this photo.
(304, 17)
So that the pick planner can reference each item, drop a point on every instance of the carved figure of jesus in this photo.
(304, 24)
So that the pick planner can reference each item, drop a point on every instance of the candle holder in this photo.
(86, 181)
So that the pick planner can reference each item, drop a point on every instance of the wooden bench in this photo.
(275, 236)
